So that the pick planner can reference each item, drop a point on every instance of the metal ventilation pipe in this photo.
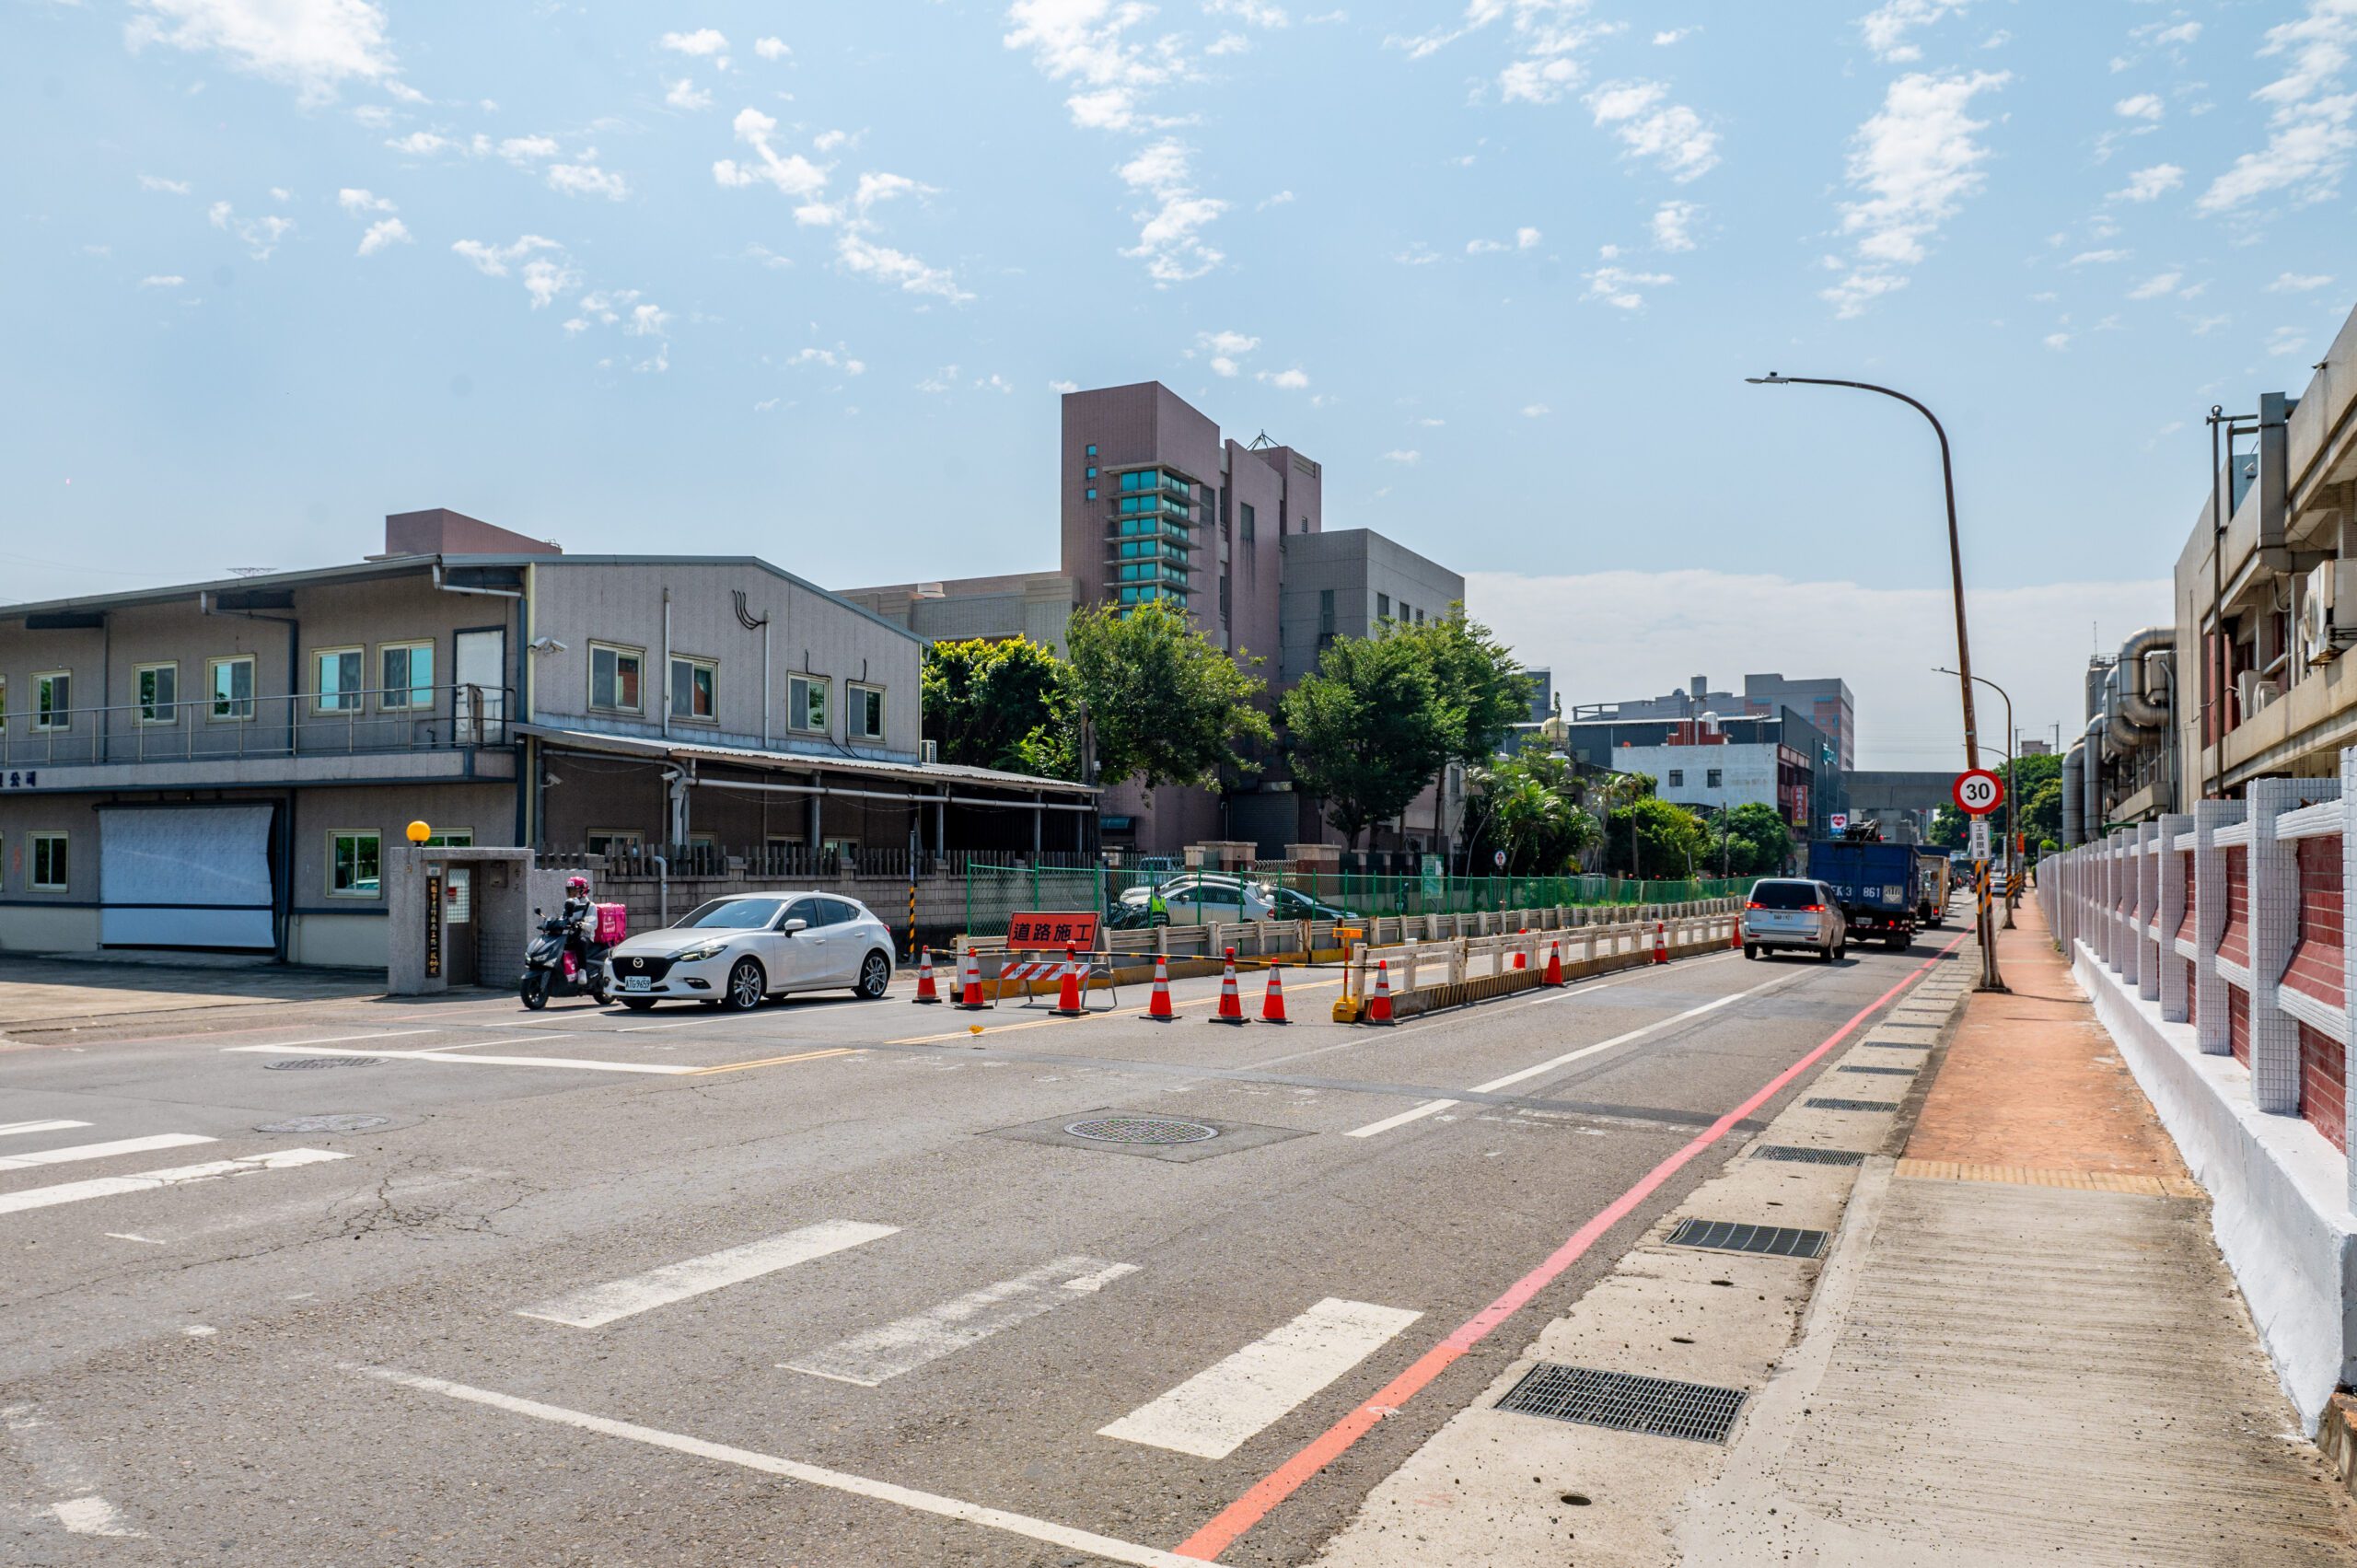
(2097, 670)
(2136, 700)
(2124, 733)
(2075, 784)
(2091, 778)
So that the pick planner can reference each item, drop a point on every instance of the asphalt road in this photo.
(825, 1283)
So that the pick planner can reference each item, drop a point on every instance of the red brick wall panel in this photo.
(2323, 1077)
(2314, 970)
(2238, 1022)
(2185, 922)
(2234, 946)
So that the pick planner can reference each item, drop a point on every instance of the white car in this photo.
(1787, 911)
(737, 951)
(1203, 898)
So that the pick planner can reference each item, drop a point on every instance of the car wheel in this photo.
(875, 976)
(1751, 951)
(747, 985)
(1824, 955)
(638, 1004)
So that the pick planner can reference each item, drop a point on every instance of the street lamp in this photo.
(2013, 796)
(1989, 979)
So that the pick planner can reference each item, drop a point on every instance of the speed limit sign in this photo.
(1978, 792)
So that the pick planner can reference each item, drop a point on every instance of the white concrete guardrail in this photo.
(1425, 976)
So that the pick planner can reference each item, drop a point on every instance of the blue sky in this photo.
(802, 281)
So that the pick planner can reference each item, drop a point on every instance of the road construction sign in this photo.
(1052, 932)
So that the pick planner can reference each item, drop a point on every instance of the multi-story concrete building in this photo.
(1035, 605)
(1779, 760)
(1347, 583)
(1825, 701)
(224, 764)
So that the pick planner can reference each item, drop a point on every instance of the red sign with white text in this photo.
(1052, 932)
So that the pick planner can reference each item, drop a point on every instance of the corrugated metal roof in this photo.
(798, 762)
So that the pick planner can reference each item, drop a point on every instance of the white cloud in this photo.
(1064, 386)
(2143, 106)
(704, 44)
(1223, 349)
(259, 236)
(155, 182)
(832, 358)
(544, 277)
(1251, 13)
(1674, 225)
(828, 141)
(2099, 258)
(1618, 287)
(1635, 626)
(770, 48)
(1407, 457)
(1546, 37)
(424, 144)
(1674, 35)
(1524, 240)
(1914, 162)
(357, 202)
(2160, 285)
(1886, 28)
(794, 175)
(1086, 43)
(2150, 184)
(855, 253)
(2296, 283)
(1431, 424)
(2058, 340)
(163, 281)
(520, 150)
(386, 231)
(2205, 325)
(586, 178)
(863, 257)
(1169, 233)
(1228, 43)
(1670, 133)
(1536, 411)
(314, 46)
(1286, 380)
(1280, 199)
(2286, 340)
(1417, 255)
(685, 94)
(2309, 136)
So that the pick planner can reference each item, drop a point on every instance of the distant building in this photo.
(1779, 760)
(1023, 604)
(1542, 694)
(1347, 583)
(2036, 748)
(1825, 702)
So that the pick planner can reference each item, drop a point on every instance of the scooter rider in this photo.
(580, 919)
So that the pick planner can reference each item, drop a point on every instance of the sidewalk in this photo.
(2024, 1346)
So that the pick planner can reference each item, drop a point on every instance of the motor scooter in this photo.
(553, 967)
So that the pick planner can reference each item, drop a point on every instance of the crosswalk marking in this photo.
(1211, 1414)
(600, 1304)
(880, 1355)
(148, 1181)
(100, 1151)
(6, 1128)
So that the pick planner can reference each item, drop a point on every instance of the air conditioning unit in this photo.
(2324, 631)
(2255, 691)
(928, 752)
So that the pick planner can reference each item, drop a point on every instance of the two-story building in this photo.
(222, 765)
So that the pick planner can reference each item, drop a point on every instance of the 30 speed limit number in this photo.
(1978, 792)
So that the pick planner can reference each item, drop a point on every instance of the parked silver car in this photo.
(1786, 912)
(735, 951)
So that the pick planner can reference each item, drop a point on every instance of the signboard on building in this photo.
(432, 924)
(1839, 822)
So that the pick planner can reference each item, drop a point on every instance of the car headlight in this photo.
(697, 954)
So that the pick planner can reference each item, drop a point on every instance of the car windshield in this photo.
(731, 914)
(1784, 895)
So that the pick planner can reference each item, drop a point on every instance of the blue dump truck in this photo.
(1932, 865)
(1878, 885)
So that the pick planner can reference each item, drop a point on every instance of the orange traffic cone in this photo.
(1157, 1010)
(970, 985)
(1554, 975)
(926, 995)
(1378, 1006)
(1520, 961)
(1661, 943)
(1231, 1007)
(1068, 994)
(1273, 1006)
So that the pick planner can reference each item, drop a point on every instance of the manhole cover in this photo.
(1626, 1403)
(342, 1123)
(1728, 1236)
(294, 1062)
(1796, 1154)
(1140, 1130)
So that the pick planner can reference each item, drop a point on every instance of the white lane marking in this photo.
(126, 1236)
(1211, 1414)
(102, 1151)
(881, 1354)
(148, 1181)
(449, 1054)
(1064, 1536)
(1433, 1106)
(600, 1305)
(12, 1127)
(343, 1039)
(91, 1517)
(57, 1465)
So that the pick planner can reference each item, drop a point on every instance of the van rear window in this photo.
(1784, 895)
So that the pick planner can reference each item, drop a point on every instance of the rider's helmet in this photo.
(576, 885)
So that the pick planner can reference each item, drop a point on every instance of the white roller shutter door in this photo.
(186, 877)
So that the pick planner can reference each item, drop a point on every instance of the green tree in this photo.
(1367, 730)
(1668, 840)
(1750, 840)
(1483, 693)
(1525, 806)
(1001, 703)
(1161, 702)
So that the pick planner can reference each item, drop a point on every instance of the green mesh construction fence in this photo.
(995, 892)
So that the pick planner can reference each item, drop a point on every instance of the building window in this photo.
(1711, 778)
(232, 680)
(615, 840)
(337, 687)
(405, 675)
(1091, 473)
(613, 678)
(352, 866)
(1677, 778)
(49, 863)
(865, 719)
(159, 689)
(457, 838)
(4, 703)
(54, 700)
(1091, 492)
(1420, 618)
(1245, 523)
(1325, 612)
(805, 703)
(1092, 449)
(695, 689)
(1383, 607)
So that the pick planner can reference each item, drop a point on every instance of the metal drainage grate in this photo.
(1141, 1130)
(1826, 1103)
(1887, 1071)
(292, 1063)
(1626, 1403)
(1769, 1240)
(1897, 1045)
(1798, 1155)
(338, 1122)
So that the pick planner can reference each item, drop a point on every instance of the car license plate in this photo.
(637, 982)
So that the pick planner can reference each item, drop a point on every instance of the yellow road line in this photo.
(775, 1061)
